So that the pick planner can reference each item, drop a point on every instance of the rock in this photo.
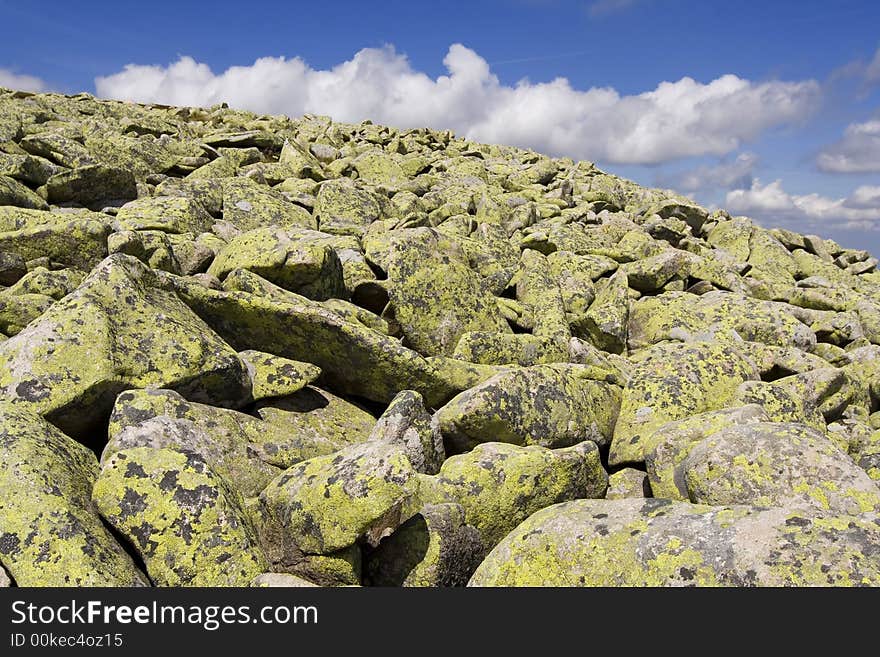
(628, 483)
(17, 311)
(13, 192)
(777, 464)
(361, 493)
(230, 443)
(459, 301)
(285, 257)
(119, 330)
(171, 214)
(342, 208)
(5, 582)
(250, 206)
(274, 376)
(407, 423)
(280, 580)
(77, 239)
(670, 382)
(500, 485)
(12, 268)
(605, 323)
(353, 358)
(436, 547)
(50, 531)
(93, 186)
(39, 280)
(669, 444)
(184, 520)
(663, 543)
(551, 405)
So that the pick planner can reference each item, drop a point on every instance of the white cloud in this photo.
(872, 72)
(18, 82)
(857, 152)
(675, 120)
(727, 174)
(772, 205)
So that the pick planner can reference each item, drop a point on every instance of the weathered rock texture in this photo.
(251, 350)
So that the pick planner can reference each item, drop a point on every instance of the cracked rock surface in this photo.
(256, 350)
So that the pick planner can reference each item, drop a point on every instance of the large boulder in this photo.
(551, 405)
(663, 543)
(50, 530)
(118, 330)
(187, 524)
(672, 381)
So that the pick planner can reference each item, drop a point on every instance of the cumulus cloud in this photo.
(857, 152)
(676, 120)
(728, 174)
(18, 82)
(772, 205)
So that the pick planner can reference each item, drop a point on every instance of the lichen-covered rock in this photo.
(274, 376)
(628, 483)
(254, 291)
(285, 257)
(500, 485)
(184, 520)
(75, 239)
(172, 214)
(436, 547)
(551, 405)
(605, 322)
(13, 192)
(50, 531)
(342, 208)
(435, 296)
(663, 543)
(361, 493)
(93, 186)
(407, 423)
(249, 206)
(118, 330)
(777, 464)
(672, 381)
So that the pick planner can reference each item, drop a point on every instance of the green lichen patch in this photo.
(171, 214)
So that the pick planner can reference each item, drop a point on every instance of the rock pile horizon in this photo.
(258, 350)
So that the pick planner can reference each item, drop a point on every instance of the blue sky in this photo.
(769, 109)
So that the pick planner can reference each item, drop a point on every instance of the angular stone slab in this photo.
(119, 330)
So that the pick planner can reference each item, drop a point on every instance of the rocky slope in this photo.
(256, 350)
